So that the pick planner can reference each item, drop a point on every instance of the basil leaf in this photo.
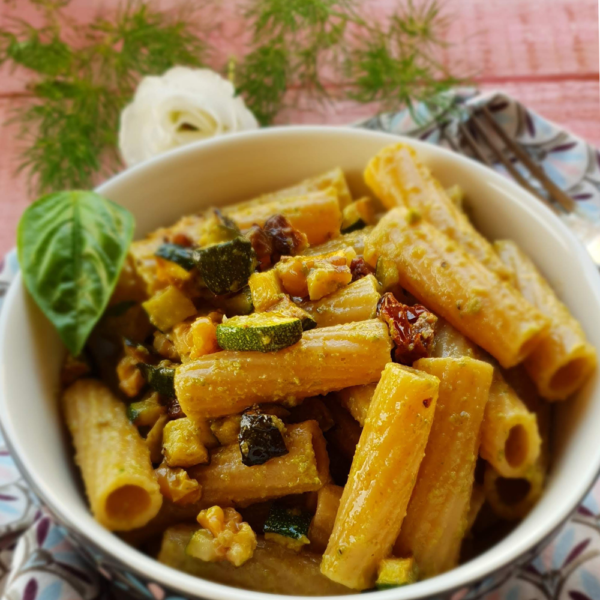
(71, 247)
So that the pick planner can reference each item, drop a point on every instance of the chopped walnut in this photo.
(226, 429)
(183, 444)
(360, 268)
(131, 380)
(204, 337)
(286, 240)
(411, 328)
(262, 245)
(181, 336)
(224, 536)
(164, 346)
(177, 486)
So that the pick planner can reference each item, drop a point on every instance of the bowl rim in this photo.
(148, 568)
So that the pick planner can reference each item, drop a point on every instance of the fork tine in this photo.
(448, 138)
(536, 170)
(470, 141)
(504, 160)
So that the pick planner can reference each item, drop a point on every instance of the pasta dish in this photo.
(310, 393)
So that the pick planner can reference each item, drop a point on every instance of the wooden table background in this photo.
(544, 52)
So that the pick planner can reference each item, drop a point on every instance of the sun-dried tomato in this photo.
(286, 240)
(181, 239)
(360, 268)
(412, 328)
(262, 245)
(174, 409)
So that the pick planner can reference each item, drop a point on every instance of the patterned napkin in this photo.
(37, 561)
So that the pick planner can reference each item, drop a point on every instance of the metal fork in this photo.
(511, 155)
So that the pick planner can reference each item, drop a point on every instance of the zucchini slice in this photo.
(226, 267)
(261, 438)
(180, 255)
(259, 332)
(288, 308)
(396, 572)
(288, 527)
(352, 219)
(168, 307)
(353, 226)
(160, 379)
(146, 412)
(386, 274)
(238, 304)
(218, 228)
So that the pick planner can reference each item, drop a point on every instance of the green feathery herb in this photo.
(69, 128)
(301, 43)
(85, 74)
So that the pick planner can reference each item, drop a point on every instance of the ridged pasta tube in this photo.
(398, 178)
(382, 477)
(563, 360)
(509, 432)
(436, 519)
(226, 481)
(120, 483)
(321, 526)
(510, 439)
(331, 179)
(355, 239)
(449, 342)
(357, 399)
(327, 359)
(456, 286)
(512, 498)
(273, 568)
(316, 214)
(354, 302)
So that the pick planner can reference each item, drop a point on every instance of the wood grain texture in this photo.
(543, 52)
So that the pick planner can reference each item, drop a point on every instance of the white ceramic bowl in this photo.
(232, 168)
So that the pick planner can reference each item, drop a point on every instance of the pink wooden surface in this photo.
(544, 52)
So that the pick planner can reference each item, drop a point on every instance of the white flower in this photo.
(181, 106)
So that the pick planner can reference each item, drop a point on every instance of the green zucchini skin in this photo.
(260, 439)
(293, 524)
(308, 323)
(221, 228)
(226, 267)
(276, 332)
(160, 379)
(238, 304)
(358, 224)
(146, 412)
(288, 308)
(180, 255)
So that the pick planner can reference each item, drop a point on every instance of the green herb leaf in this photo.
(71, 248)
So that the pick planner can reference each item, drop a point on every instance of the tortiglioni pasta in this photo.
(317, 412)
(382, 477)
(564, 359)
(114, 460)
(472, 298)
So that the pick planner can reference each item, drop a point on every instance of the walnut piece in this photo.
(224, 536)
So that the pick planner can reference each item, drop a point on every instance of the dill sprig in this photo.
(299, 43)
(84, 74)
(69, 128)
